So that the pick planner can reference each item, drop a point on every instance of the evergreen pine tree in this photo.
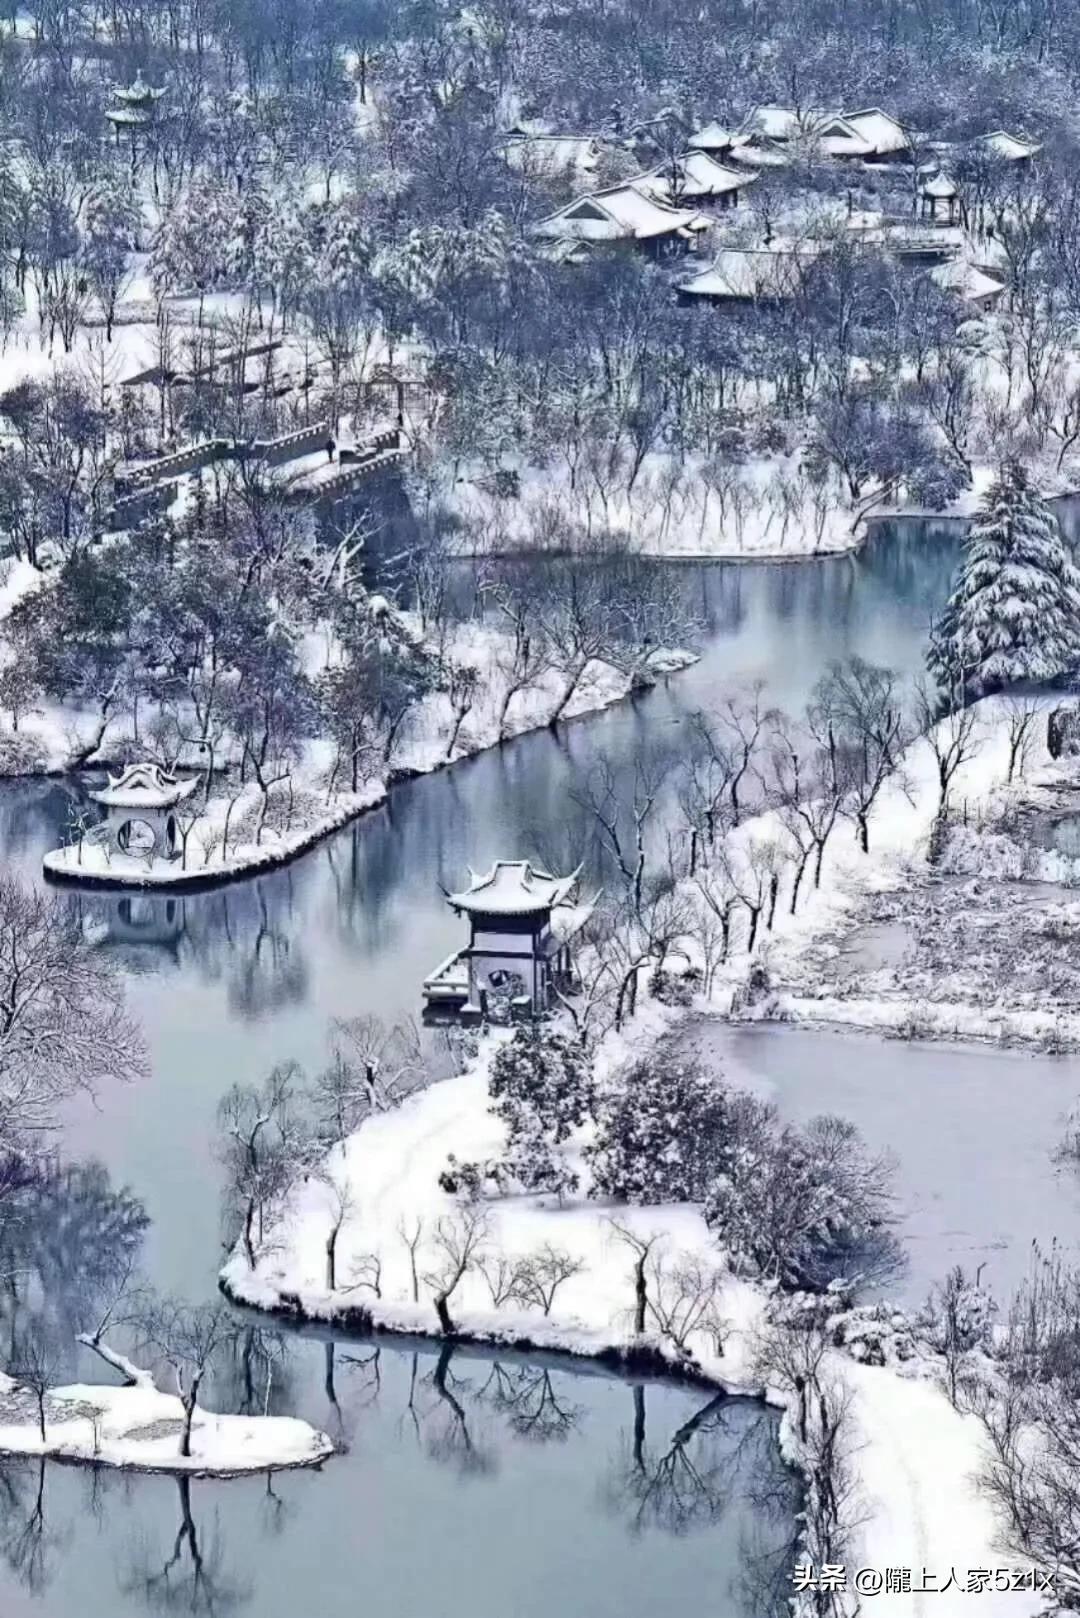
(1014, 613)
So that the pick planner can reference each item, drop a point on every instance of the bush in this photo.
(663, 1134)
(804, 1208)
(540, 1087)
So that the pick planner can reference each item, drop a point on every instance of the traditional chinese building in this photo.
(140, 810)
(521, 924)
(136, 106)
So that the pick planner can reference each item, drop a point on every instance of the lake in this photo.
(513, 1519)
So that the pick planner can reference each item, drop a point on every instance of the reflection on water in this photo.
(469, 1487)
(229, 982)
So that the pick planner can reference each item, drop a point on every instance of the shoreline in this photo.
(62, 870)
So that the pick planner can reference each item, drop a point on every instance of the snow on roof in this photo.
(512, 888)
(138, 91)
(127, 115)
(878, 129)
(967, 281)
(713, 138)
(1013, 148)
(550, 154)
(775, 123)
(750, 273)
(619, 213)
(144, 786)
(839, 138)
(939, 186)
(754, 151)
(699, 176)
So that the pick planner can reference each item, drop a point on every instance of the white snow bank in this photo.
(431, 738)
(915, 1458)
(139, 1428)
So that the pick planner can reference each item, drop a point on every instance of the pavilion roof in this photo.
(699, 176)
(619, 213)
(513, 888)
(144, 786)
(1014, 148)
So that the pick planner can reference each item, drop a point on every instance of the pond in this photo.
(975, 1132)
(228, 983)
(469, 1487)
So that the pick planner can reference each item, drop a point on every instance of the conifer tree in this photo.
(1014, 613)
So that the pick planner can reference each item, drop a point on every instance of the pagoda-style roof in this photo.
(138, 93)
(939, 186)
(513, 888)
(144, 786)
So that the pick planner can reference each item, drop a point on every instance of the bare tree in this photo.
(544, 1272)
(641, 1246)
(188, 1337)
(35, 1365)
(858, 705)
(1022, 713)
(953, 738)
(458, 1243)
(62, 1024)
(264, 1143)
(684, 1298)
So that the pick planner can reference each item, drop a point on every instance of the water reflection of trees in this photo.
(29, 1545)
(724, 1454)
(67, 1239)
(191, 1575)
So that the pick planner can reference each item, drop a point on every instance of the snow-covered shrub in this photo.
(675, 988)
(956, 1323)
(802, 1207)
(662, 1132)
(540, 1087)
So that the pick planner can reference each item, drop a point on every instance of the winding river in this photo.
(467, 1488)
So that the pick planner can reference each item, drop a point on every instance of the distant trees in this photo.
(1014, 613)
(62, 1022)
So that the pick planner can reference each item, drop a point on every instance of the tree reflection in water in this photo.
(192, 1575)
(660, 1472)
(688, 1481)
(28, 1545)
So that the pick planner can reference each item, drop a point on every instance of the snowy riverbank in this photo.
(913, 1455)
(976, 943)
(236, 833)
(138, 1428)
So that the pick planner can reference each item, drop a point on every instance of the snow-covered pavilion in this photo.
(521, 925)
(939, 198)
(140, 810)
(622, 213)
(137, 105)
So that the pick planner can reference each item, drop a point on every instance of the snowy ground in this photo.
(763, 508)
(981, 945)
(914, 1455)
(139, 1428)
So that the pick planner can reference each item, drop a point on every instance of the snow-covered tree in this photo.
(802, 1207)
(540, 1089)
(662, 1133)
(1014, 613)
